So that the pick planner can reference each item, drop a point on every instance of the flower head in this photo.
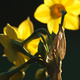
(50, 13)
(24, 30)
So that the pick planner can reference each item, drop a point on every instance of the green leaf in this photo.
(41, 50)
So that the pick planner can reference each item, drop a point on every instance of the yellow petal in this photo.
(57, 1)
(42, 13)
(13, 67)
(49, 2)
(74, 9)
(26, 58)
(25, 29)
(4, 30)
(71, 22)
(20, 60)
(11, 32)
(32, 49)
(4, 40)
(33, 46)
(53, 25)
(67, 2)
(11, 54)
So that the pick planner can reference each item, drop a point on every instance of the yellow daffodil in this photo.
(24, 30)
(50, 13)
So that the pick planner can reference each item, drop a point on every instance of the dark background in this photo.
(14, 13)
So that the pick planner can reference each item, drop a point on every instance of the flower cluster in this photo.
(24, 45)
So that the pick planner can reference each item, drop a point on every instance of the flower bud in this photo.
(56, 55)
(41, 74)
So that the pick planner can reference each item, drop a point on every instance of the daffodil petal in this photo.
(4, 30)
(32, 46)
(25, 29)
(67, 2)
(11, 32)
(13, 67)
(74, 9)
(20, 60)
(11, 54)
(42, 13)
(49, 2)
(57, 1)
(71, 22)
(53, 25)
(26, 58)
(32, 49)
(4, 40)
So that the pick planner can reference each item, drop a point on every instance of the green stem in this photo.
(79, 21)
(45, 44)
(18, 47)
(32, 60)
(25, 52)
(42, 38)
(63, 14)
(35, 35)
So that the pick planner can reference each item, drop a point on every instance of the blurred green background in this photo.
(14, 13)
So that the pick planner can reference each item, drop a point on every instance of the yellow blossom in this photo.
(50, 13)
(24, 30)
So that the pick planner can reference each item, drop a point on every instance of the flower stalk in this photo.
(63, 14)
(56, 53)
(35, 35)
(19, 47)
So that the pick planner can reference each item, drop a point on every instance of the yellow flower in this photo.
(50, 13)
(24, 30)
